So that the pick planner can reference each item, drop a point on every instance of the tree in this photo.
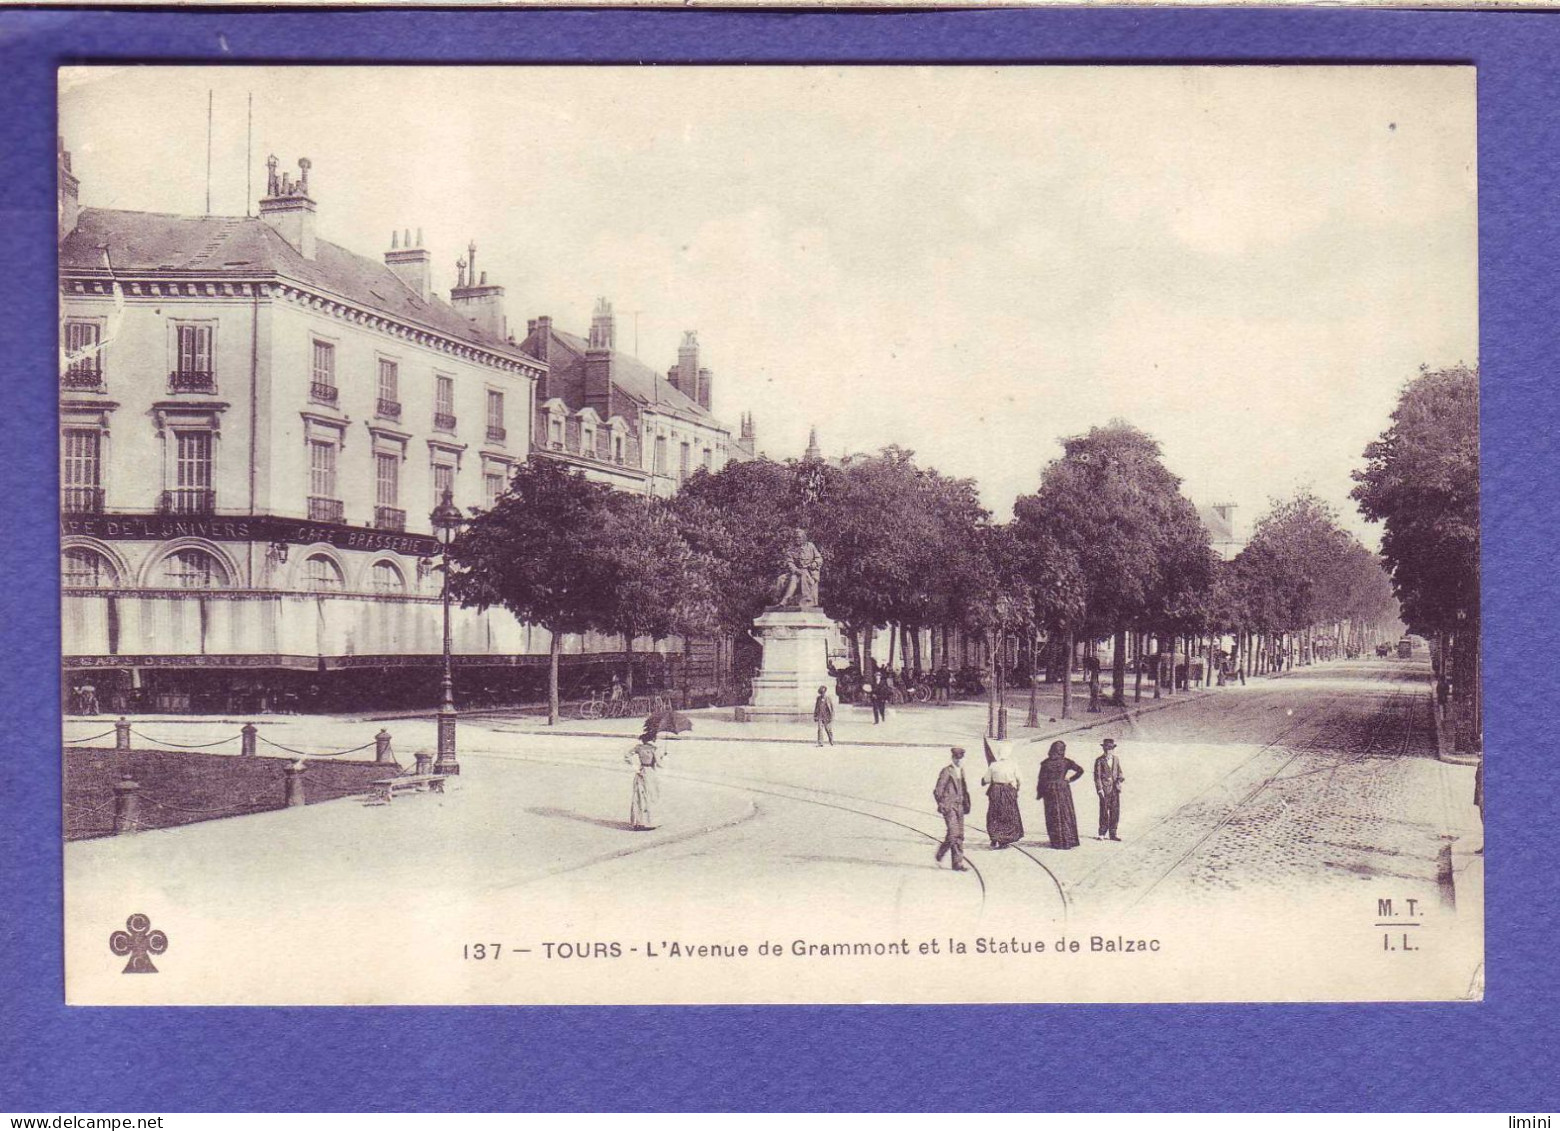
(657, 585)
(739, 520)
(1421, 481)
(1293, 558)
(541, 552)
(1118, 513)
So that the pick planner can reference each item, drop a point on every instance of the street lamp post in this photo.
(445, 520)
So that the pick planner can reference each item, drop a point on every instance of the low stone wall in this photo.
(179, 787)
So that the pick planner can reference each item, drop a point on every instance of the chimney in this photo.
(598, 361)
(541, 330)
(287, 206)
(602, 326)
(70, 193)
(411, 262)
(687, 379)
(706, 379)
(482, 304)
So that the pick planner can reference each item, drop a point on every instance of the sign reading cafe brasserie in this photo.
(261, 528)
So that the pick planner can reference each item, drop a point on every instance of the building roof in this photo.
(639, 381)
(247, 245)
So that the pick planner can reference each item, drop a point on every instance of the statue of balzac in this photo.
(797, 585)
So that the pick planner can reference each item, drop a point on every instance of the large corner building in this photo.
(255, 426)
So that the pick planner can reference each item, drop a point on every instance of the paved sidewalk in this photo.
(910, 725)
(929, 725)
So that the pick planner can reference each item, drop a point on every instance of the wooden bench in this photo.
(385, 789)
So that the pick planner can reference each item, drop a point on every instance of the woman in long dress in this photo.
(1057, 773)
(1004, 824)
(646, 796)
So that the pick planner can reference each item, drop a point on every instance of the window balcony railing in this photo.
(81, 500)
(188, 500)
(444, 421)
(387, 410)
(389, 518)
(191, 381)
(320, 391)
(325, 510)
(82, 376)
(496, 433)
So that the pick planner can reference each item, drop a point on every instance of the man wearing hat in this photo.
(1107, 784)
(953, 802)
(823, 715)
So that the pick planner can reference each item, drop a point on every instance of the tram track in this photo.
(794, 794)
(1337, 735)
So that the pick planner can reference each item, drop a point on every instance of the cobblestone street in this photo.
(1345, 783)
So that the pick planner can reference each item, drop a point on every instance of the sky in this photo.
(1246, 262)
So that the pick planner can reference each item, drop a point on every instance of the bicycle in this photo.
(593, 708)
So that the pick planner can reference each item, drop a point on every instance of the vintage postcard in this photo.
(612, 535)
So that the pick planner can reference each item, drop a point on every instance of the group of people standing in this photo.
(1053, 788)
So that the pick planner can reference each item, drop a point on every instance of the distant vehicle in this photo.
(1382, 650)
(1405, 649)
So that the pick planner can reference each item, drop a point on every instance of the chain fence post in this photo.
(122, 734)
(126, 805)
(247, 747)
(382, 752)
(295, 772)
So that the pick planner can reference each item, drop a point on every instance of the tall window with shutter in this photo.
(84, 367)
(443, 480)
(495, 416)
(322, 379)
(388, 514)
(389, 400)
(387, 480)
(322, 469)
(444, 404)
(195, 371)
(81, 470)
(191, 492)
(194, 460)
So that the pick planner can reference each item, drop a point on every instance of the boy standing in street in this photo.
(823, 715)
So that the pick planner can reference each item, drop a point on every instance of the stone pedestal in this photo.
(795, 665)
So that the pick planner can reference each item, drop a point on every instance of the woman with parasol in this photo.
(646, 758)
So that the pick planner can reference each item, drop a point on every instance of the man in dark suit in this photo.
(953, 802)
(1107, 786)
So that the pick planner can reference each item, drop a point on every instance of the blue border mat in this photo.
(1499, 1055)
